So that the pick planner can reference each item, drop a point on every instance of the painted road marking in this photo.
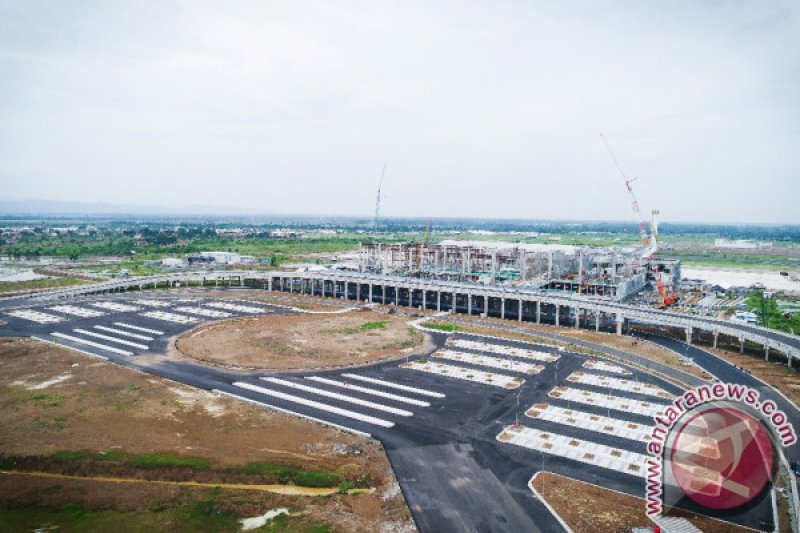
(639, 407)
(337, 396)
(397, 386)
(576, 449)
(606, 367)
(138, 328)
(618, 384)
(492, 362)
(203, 312)
(67, 346)
(90, 343)
(591, 422)
(112, 339)
(115, 306)
(468, 374)
(293, 413)
(169, 317)
(36, 316)
(77, 311)
(503, 350)
(366, 390)
(152, 303)
(316, 405)
(237, 307)
(124, 333)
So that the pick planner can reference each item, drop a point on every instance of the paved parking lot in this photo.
(465, 425)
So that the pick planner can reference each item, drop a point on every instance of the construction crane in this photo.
(649, 242)
(378, 205)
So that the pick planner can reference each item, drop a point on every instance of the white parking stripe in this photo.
(293, 413)
(316, 405)
(152, 303)
(125, 333)
(468, 374)
(236, 307)
(607, 401)
(491, 362)
(576, 449)
(627, 385)
(503, 350)
(203, 312)
(90, 343)
(169, 317)
(394, 385)
(606, 367)
(36, 316)
(591, 422)
(69, 347)
(366, 390)
(337, 396)
(110, 338)
(77, 311)
(138, 328)
(114, 306)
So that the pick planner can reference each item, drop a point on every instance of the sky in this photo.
(484, 109)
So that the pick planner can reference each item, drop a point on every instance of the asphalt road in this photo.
(440, 432)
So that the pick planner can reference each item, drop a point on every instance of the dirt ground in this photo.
(776, 374)
(302, 341)
(588, 508)
(53, 399)
(638, 347)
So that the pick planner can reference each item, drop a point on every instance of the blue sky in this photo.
(480, 109)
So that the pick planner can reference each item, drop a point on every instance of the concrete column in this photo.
(486, 305)
(269, 283)
(396, 295)
(597, 320)
(358, 291)
(370, 293)
(346, 289)
(716, 335)
(424, 299)
(620, 321)
(502, 308)
(439, 301)
(766, 352)
(469, 304)
(519, 310)
(453, 304)
(688, 334)
(741, 344)
(411, 297)
(383, 294)
(538, 312)
(577, 318)
(558, 308)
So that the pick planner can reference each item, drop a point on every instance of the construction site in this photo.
(609, 273)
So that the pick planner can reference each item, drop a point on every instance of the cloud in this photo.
(480, 109)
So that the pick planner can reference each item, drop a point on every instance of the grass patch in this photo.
(367, 326)
(296, 476)
(34, 284)
(442, 327)
(165, 460)
(67, 455)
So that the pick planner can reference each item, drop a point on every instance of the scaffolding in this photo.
(613, 273)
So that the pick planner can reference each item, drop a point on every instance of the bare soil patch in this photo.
(56, 403)
(588, 508)
(302, 341)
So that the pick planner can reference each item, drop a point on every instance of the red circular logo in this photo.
(721, 458)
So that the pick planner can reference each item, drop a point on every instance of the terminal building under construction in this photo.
(609, 273)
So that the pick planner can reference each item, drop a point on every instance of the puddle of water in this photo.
(258, 521)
